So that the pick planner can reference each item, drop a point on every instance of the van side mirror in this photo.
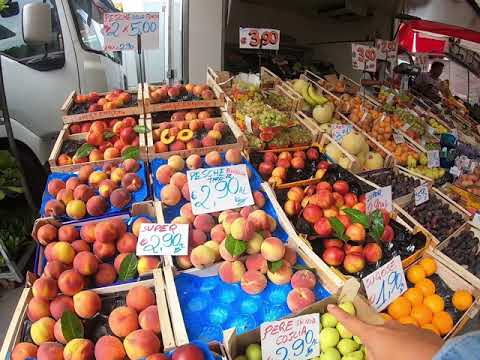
(37, 23)
(11, 9)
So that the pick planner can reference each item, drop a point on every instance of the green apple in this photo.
(356, 355)
(357, 340)
(348, 307)
(328, 320)
(330, 354)
(329, 337)
(347, 346)
(344, 333)
(241, 357)
(254, 352)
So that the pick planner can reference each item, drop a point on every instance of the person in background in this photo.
(429, 83)
(372, 82)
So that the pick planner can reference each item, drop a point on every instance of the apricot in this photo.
(76, 209)
(242, 229)
(253, 282)
(204, 222)
(57, 332)
(46, 234)
(38, 308)
(80, 245)
(23, 351)
(176, 162)
(122, 321)
(53, 269)
(71, 282)
(54, 186)
(117, 175)
(149, 319)
(132, 182)
(105, 275)
(87, 303)
(106, 187)
(42, 330)
(109, 348)
(63, 252)
(85, 263)
(78, 349)
(218, 233)
(140, 297)
(120, 198)
(147, 263)
(213, 158)
(54, 208)
(105, 232)
(231, 271)
(87, 232)
(202, 256)
(303, 279)
(178, 179)
(50, 351)
(194, 162)
(272, 249)
(103, 250)
(300, 298)
(45, 288)
(256, 262)
(141, 343)
(281, 276)
(83, 192)
(61, 304)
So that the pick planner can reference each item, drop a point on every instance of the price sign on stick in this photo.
(385, 284)
(219, 188)
(121, 30)
(398, 138)
(421, 194)
(379, 199)
(386, 50)
(364, 58)
(163, 239)
(293, 338)
(433, 158)
(339, 131)
(255, 38)
(476, 220)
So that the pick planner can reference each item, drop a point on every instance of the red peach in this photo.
(282, 276)
(105, 275)
(253, 282)
(256, 262)
(303, 279)
(272, 249)
(231, 271)
(103, 250)
(312, 213)
(87, 303)
(122, 321)
(300, 298)
(61, 304)
(109, 348)
(45, 288)
(323, 228)
(71, 282)
(127, 243)
(333, 256)
(350, 199)
(356, 232)
(85, 263)
(353, 263)
(38, 308)
(149, 319)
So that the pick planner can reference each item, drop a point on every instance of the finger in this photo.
(354, 325)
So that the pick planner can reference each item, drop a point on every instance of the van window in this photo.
(13, 46)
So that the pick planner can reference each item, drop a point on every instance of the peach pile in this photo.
(92, 192)
(180, 92)
(107, 139)
(93, 102)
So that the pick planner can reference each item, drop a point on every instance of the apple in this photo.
(312, 154)
(297, 163)
(333, 256)
(372, 252)
(284, 163)
(188, 352)
(353, 263)
(333, 242)
(323, 228)
(270, 157)
(350, 199)
(341, 186)
(265, 168)
(312, 213)
(388, 234)
(324, 185)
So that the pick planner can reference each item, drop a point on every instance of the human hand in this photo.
(392, 341)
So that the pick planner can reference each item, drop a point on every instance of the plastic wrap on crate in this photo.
(137, 196)
(204, 348)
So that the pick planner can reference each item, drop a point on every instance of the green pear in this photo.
(347, 346)
(328, 320)
(344, 333)
(254, 352)
(348, 307)
(357, 340)
(330, 354)
(356, 355)
(329, 337)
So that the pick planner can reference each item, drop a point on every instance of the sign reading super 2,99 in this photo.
(219, 188)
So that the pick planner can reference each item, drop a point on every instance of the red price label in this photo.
(254, 38)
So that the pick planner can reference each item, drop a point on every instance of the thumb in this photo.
(355, 326)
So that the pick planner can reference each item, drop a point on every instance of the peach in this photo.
(194, 162)
(103, 250)
(215, 134)
(85, 172)
(245, 211)
(260, 220)
(177, 146)
(157, 356)
(48, 251)
(253, 282)
(272, 249)
(45, 288)
(109, 348)
(213, 158)
(290, 255)
(281, 276)
(96, 205)
(186, 191)
(120, 225)
(178, 179)
(118, 261)
(140, 297)
(23, 351)
(256, 262)
(79, 349)
(50, 351)
(209, 123)
(46, 234)
(300, 298)
(228, 221)
(164, 174)
(63, 252)
(160, 147)
(147, 263)
(122, 321)
(202, 256)
(215, 247)
(149, 319)
(233, 156)
(131, 165)
(127, 243)
(96, 178)
(83, 192)
(356, 232)
(170, 195)
(117, 175)
(61, 304)
(120, 198)
(42, 330)
(223, 215)
(196, 238)
(71, 282)
(218, 233)
(72, 183)
(255, 244)
(132, 182)
(180, 220)
(67, 233)
(208, 141)
(242, 229)
(53, 269)
(65, 196)
(303, 279)
(186, 212)
(224, 254)
(54, 186)
(54, 208)
(106, 187)
(95, 155)
(87, 232)
(76, 209)
(87, 303)
(183, 262)
(231, 271)
(105, 232)
(141, 343)
(38, 308)
(85, 263)
(105, 275)
(80, 245)
(204, 222)
(259, 199)
(176, 162)
(64, 159)
(219, 126)
(57, 332)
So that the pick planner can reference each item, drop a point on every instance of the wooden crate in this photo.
(65, 135)
(97, 115)
(226, 118)
(15, 330)
(310, 125)
(463, 198)
(352, 164)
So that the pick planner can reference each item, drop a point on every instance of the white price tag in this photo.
(476, 220)
(386, 50)
(256, 38)
(120, 31)
(292, 338)
(248, 123)
(430, 130)
(398, 138)
(433, 158)
(339, 131)
(364, 58)
(385, 284)
(406, 126)
(379, 199)
(390, 98)
(421, 194)
(163, 239)
(455, 171)
(219, 188)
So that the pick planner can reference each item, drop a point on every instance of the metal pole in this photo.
(11, 141)
(468, 85)
(139, 51)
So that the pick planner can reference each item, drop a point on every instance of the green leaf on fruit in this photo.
(235, 247)
(84, 150)
(338, 229)
(356, 216)
(72, 327)
(274, 266)
(131, 152)
(304, 267)
(108, 135)
(128, 268)
(141, 129)
(377, 225)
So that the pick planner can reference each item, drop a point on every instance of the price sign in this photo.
(339, 131)
(386, 50)
(421, 194)
(476, 220)
(120, 31)
(163, 239)
(293, 338)
(430, 130)
(254, 38)
(379, 199)
(385, 284)
(406, 126)
(248, 123)
(364, 58)
(433, 158)
(455, 171)
(390, 98)
(398, 138)
(219, 188)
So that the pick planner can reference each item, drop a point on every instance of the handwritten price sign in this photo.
(398, 138)
(294, 338)
(379, 199)
(385, 284)
(421, 194)
(364, 58)
(253, 38)
(386, 50)
(476, 220)
(121, 30)
(163, 239)
(219, 188)
(433, 158)
(339, 131)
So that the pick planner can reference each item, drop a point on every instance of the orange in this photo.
(422, 314)
(414, 295)
(443, 322)
(434, 302)
(431, 327)
(408, 320)
(462, 300)
(426, 286)
(386, 317)
(415, 274)
(400, 307)
(429, 265)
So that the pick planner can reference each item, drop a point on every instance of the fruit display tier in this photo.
(101, 193)
(185, 115)
(95, 106)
